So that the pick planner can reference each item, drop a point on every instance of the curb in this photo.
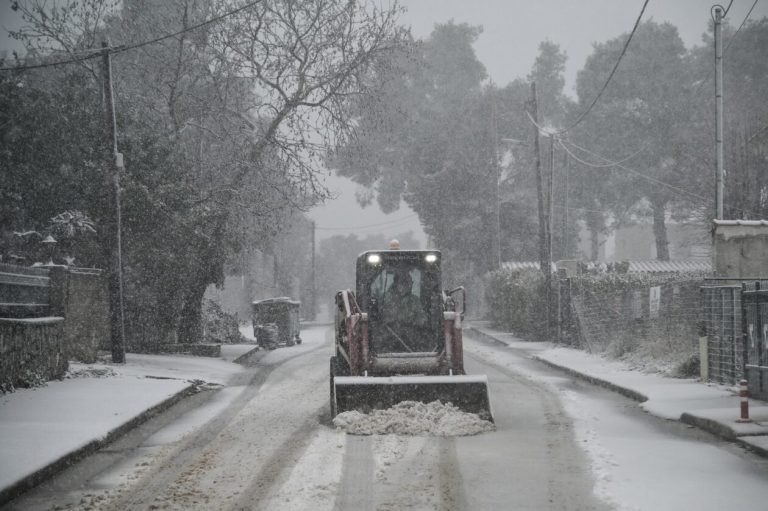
(632, 394)
(483, 335)
(591, 379)
(714, 427)
(711, 426)
(27, 483)
(723, 431)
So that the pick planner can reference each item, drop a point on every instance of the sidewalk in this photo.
(43, 430)
(714, 408)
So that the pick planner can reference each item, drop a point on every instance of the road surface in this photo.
(265, 441)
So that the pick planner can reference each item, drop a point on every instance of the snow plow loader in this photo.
(398, 337)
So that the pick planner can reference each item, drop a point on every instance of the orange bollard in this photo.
(744, 395)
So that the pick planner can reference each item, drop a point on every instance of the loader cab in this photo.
(402, 294)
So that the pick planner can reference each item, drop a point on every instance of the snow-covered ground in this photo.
(641, 462)
(40, 425)
(637, 459)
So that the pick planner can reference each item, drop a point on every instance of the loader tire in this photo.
(333, 371)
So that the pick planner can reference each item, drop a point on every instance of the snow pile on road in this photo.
(414, 418)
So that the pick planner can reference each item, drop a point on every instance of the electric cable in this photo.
(380, 224)
(610, 76)
(730, 41)
(598, 166)
(740, 26)
(640, 174)
(122, 48)
(672, 187)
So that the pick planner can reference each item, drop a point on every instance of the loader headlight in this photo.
(374, 259)
(430, 258)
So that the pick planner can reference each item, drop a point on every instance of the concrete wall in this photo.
(740, 248)
(81, 296)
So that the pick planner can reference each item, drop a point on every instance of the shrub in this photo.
(220, 327)
(517, 301)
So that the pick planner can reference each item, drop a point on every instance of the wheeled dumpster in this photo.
(276, 322)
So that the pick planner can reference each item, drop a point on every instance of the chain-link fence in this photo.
(651, 323)
(723, 323)
(721, 318)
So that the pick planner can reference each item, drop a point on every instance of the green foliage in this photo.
(213, 168)
(612, 282)
(219, 326)
(516, 301)
(29, 379)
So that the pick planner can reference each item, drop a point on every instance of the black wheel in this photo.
(333, 372)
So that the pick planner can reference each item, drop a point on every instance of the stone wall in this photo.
(31, 351)
(71, 325)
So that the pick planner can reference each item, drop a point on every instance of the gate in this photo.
(723, 327)
(755, 331)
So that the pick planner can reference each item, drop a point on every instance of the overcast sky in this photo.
(512, 31)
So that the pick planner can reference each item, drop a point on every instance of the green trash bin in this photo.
(276, 322)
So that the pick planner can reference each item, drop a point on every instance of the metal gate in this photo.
(723, 327)
(755, 314)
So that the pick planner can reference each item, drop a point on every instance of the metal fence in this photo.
(721, 323)
(755, 335)
(655, 325)
(733, 315)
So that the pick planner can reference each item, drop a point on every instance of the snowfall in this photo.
(39, 426)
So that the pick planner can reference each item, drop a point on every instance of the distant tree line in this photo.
(444, 138)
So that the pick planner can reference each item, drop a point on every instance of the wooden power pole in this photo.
(115, 272)
(545, 244)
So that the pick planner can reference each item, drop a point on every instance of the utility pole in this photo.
(545, 254)
(539, 184)
(720, 172)
(566, 234)
(548, 226)
(497, 199)
(115, 273)
(313, 290)
(550, 193)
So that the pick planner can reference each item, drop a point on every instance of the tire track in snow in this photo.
(275, 469)
(356, 488)
(189, 455)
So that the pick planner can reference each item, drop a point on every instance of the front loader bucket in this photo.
(469, 393)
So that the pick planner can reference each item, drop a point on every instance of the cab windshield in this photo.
(404, 309)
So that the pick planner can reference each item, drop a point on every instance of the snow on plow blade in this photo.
(469, 393)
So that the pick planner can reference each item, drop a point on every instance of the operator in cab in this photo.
(403, 314)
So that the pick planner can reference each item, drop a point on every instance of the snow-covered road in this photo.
(265, 441)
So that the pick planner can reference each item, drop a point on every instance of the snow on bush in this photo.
(415, 419)
(90, 371)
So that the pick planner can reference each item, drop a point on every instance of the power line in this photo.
(740, 26)
(640, 174)
(730, 41)
(122, 48)
(388, 223)
(613, 71)
(602, 165)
